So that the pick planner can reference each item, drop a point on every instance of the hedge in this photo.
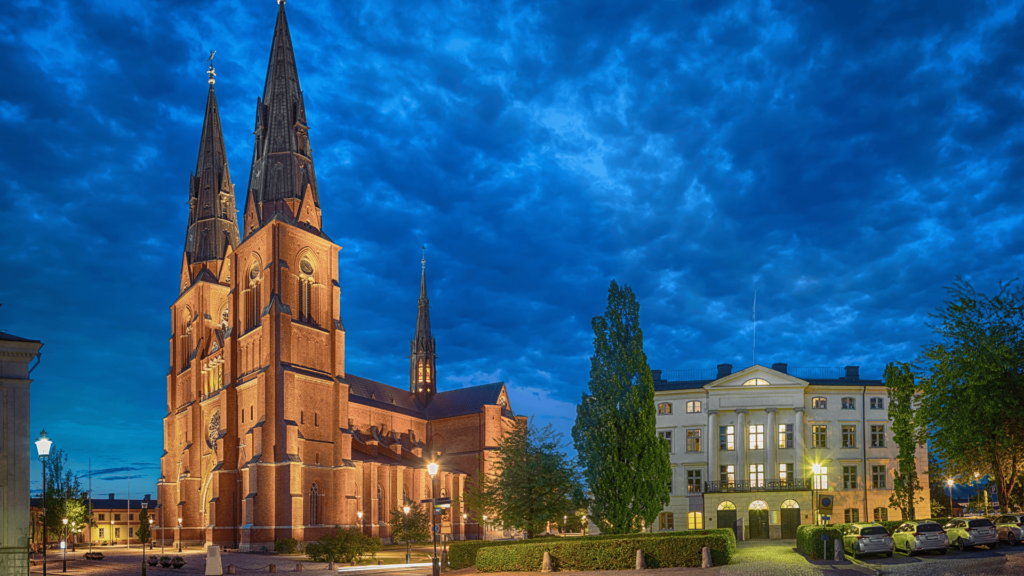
(611, 552)
(463, 553)
(808, 540)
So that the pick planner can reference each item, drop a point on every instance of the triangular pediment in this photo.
(745, 378)
(186, 275)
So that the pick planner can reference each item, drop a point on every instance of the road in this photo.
(982, 561)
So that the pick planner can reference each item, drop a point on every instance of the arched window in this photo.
(758, 505)
(314, 502)
(380, 504)
(756, 382)
(306, 291)
(790, 504)
(726, 506)
(252, 297)
(427, 368)
(405, 496)
(419, 373)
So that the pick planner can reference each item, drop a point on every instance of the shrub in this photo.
(342, 546)
(286, 545)
(674, 549)
(808, 540)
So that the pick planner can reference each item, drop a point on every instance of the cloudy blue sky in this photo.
(847, 158)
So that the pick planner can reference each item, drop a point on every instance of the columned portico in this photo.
(712, 444)
(741, 445)
(770, 470)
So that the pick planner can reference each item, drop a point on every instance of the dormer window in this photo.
(756, 382)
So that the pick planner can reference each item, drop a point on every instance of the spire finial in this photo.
(424, 261)
(210, 72)
(280, 2)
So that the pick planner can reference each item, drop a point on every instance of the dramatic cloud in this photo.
(848, 159)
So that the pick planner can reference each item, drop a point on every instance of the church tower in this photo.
(422, 376)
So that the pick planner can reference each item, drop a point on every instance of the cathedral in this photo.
(266, 435)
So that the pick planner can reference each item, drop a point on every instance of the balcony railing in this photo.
(758, 486)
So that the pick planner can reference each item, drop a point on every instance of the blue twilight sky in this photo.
(848, 158)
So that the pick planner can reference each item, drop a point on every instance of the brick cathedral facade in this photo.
(266, 435)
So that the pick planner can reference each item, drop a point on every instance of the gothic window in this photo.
(314, 497)
(306, 291)
(419, 373)
(252, 298)
(405, 496)
(380, 504)
(427, 368)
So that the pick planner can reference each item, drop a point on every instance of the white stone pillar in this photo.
(742, 474)
(770, 472)
(712, 444)
(798, 444)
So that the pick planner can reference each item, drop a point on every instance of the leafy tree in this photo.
(64, 497)
(970, 402)
(531, 484)
(899, 381)
(937, 489)
(342, 546)
(411, 528)
(627, 464)
(145, 532)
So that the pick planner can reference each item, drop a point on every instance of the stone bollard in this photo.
(546, 567)
(380, 562)
(705, 561)
(640, 560)
(840, 554)
(273, 568)
(353, 563)
(330, 565)
(231, 568)
(298, 567)
(213, 564)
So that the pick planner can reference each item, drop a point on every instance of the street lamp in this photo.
(565, 520)
(432, 470)
(43, 444)
(359, 515)
(815, 470)
(179, 535)
(406, 527)
(584, 520)
(485, 526)
(65, 545)
(949, 483)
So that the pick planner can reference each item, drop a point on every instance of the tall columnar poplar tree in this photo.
(626, 464)
(899, 382)
(971, 402)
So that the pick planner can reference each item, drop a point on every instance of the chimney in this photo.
(656, 376)
(724, 370)
(781, 367)
(853, 372)
(146, 498)
(111, 495)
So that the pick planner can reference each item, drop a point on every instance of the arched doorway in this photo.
(790, 518)
(758, 520)
(727, 516)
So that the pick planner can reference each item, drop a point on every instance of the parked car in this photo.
(867, 538)
(968, 532)
(920, 536)
(1009, 528)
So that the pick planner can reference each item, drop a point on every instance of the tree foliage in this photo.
(899, 382)
(627, 464)
(532, 482)
(937, 489)
(342, 546)
(145, 531)
(64, 497)
(411, 528)
(971, 401)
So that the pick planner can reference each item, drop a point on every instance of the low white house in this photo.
(744, 445)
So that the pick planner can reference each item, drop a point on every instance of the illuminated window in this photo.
(819, 436)
(726, 438)
(693, 481)
(666, 521)
(758, 505)
(881, 514)
(756, 382)
(726, 506)
(785, 472)
(877, 436)
(819, 403)
(756, 436)
(664, 408)
(727, 475)
(693, 406)
(693, 440)
(821, 479)
(695, 521)
(419, 371)
(757, 475)
(426, 368)
(785, 435)
(849, 436)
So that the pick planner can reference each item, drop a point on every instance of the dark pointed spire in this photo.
(212, 225)
(282, 163)
(422, 365)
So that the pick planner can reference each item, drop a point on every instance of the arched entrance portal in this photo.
(790, 518)
(758, 520)
(727, 516)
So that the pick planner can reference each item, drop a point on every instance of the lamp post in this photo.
(432, 470)
(359, 515)
(815, 470)
(949, 483)
(113, 541)
(406, 529)
(565, 521)
(65, 545)
(43, 444)
(485, 526)
(179, 535)
(584, 529)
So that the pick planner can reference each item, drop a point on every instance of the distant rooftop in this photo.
(699, 377)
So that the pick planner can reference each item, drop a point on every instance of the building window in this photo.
(693, 407)
(117, 532)
(693, 481)
(131, 532)
(819, 403)
(306, 291)
(252, 298)
(821, 479)
(665, 408)
(667, 435)
(101, 531)
(849, 403)
(693, 440)
(819, 436)
(881, 514)
(756, 437)
(316, 419)
(117, 517)
(314, 497)
(785, 472)
(695, 521)
(877, 436)
(757, 475)
(728, 475)
(878, 404)
(726, 437)
(878, 476)
(852, 515)
(131, 517)
(849, 477)
(849, 436)
(756, 382)
(785, 435)
(380, 504)
(666, 521)
(302, 417)
(103, 517)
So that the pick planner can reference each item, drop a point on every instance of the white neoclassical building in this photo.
(744, 445)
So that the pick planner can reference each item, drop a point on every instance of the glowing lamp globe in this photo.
(406, 510)
(43, 444)
(432, 469)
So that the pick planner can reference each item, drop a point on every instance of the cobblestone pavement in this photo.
(779, 558)
(980, 561)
